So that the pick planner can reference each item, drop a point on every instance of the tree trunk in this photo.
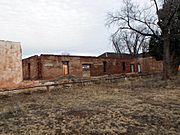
(170, 65)
(166, 55)
(174, 60)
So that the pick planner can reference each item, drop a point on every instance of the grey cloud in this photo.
(56, 26)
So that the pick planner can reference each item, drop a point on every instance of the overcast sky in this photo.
(57, 26)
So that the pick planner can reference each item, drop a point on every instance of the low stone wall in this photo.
(123, 81)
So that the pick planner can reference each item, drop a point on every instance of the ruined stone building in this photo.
(143, 64)
(10, 63)
(46, 67)
(14, 70)
(53, 66)
(147, 65)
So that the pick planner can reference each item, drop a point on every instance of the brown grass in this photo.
(100, 109)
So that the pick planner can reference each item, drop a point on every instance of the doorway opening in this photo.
(65, 67)
(124, 66)
(132, 68)
(139, 68)
(104, 66)
(29, 71)
(86, 69)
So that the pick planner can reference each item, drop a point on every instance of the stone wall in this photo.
(10, 64)
(30, 68)
(149, 65)
(106, 66)
(52, 66)
(47, 67)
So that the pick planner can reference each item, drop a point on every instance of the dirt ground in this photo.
(95, 110)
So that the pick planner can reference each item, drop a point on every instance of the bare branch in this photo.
(128, 42)
(156, 5)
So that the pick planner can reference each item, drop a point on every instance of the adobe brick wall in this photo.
(30, 68)
(148, 65)
(113, 65)
(47, 67)
(52, 66)
(10, 64)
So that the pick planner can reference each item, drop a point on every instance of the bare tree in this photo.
(129, 42)
(153, 21)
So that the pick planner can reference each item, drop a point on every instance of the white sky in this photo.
(56, 26)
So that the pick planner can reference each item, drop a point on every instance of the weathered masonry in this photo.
(45, 67)
(146, 65)
(53, 66)
(10, 64)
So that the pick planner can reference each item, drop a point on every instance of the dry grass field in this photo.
(96, 110)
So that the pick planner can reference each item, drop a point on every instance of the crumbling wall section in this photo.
(151, 65)
(106, 66)
(46, 67)
(52, 66)
(10, 64)
(31, 68)
(148, 65)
